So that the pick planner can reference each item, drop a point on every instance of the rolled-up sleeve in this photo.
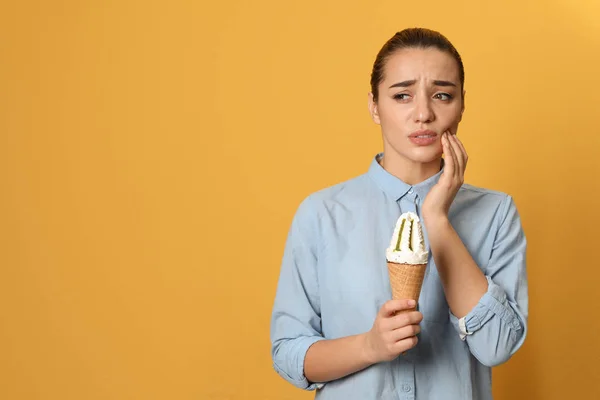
(496, 327)
(295, 320)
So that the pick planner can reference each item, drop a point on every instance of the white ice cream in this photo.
(407, 245)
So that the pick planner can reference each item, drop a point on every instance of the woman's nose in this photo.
(423, 111)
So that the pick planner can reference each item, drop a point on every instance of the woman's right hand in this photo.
(392, 334)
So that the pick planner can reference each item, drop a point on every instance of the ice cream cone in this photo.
(406, 280)
(407, 258)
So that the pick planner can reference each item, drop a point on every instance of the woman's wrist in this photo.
(436, 222)
(367, 354)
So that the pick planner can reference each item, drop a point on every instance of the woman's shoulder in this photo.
(481, 191)
(344, 193)
(476, 193)
(342, 189)
(484, 198)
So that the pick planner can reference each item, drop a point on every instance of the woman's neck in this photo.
(411, 172)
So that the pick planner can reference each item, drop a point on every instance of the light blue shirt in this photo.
(334, 280)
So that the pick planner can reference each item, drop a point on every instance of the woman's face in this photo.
(419, 99)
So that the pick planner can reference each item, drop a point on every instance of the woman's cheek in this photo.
(453, 128)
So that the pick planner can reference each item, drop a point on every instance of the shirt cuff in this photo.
(462, 329)
(302, 345)
(493, 302)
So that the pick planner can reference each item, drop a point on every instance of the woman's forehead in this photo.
(430, 63)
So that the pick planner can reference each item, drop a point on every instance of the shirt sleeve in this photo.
(296, 320)
(496, 327)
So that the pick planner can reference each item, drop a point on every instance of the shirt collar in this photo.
(395, 187)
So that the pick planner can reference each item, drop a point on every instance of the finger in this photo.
(405, 319)
(405, 332)
(457, 151)
(463, 151)
(391, 307)
(449, 165)
(456, 169)
(405, 344)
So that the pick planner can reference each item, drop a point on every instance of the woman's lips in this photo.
(423, 138)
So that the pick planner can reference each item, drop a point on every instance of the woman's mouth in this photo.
(423, 138)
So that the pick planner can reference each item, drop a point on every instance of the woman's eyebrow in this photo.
(404, 83)
(444, 83)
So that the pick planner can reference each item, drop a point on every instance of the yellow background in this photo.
(146, 146)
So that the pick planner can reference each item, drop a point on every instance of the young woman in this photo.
(334, 327)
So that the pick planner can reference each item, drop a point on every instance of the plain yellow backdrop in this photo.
(153, 153)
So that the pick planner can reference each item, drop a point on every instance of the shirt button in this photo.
(410, 191)
(406, 388)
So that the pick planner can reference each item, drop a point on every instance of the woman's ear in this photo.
(373, 109)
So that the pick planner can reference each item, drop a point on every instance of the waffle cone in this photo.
(406, 280)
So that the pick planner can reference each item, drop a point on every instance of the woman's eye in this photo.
(401, 96)
(443, 96)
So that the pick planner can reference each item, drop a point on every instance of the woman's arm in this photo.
(296, 316)
(495, 324)
(489, 312)
(328, 360)
(464, 283)
(390, 336)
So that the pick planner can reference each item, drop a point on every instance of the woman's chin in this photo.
(427, 154)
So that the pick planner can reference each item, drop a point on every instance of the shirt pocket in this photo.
(432, 300)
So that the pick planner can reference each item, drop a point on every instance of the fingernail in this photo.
(411, 303)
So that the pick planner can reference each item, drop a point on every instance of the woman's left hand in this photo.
(440, 197)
